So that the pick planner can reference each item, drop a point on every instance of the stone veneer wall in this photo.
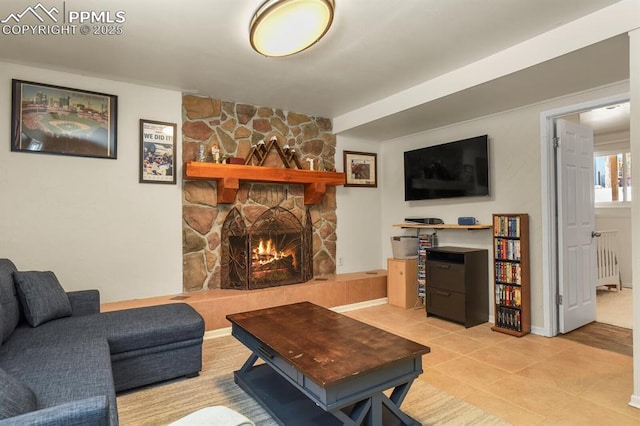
(235, 128)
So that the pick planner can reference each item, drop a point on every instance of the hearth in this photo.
(274, 250)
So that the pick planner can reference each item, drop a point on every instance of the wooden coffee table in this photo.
(324, 368)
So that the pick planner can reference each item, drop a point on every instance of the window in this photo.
(612, 173)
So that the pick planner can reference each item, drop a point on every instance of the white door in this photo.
(576, 224)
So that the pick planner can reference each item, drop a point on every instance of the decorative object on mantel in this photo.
(235, 160)
(260, 151)
(360, 169)
(322, 166)
(201, 156)
(215, 153)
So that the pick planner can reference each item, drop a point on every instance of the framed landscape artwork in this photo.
(360, 169)
(58, 120)
(157, 152)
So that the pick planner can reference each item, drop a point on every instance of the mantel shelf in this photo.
(442, 226)
(229, 176)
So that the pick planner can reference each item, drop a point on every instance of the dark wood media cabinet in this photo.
(457, 284)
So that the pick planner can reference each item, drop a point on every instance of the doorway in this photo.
(550, 225)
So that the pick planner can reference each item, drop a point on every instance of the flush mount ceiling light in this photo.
(285, 27)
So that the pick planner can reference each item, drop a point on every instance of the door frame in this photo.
(550, 279)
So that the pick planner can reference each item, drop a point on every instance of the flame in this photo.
(266, 252)
(262, 249)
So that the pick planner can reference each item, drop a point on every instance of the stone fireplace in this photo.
(222, 242)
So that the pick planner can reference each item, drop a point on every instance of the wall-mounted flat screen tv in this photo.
(454, 169)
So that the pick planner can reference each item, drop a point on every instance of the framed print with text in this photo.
(360, 169)
(157, 152)
(49, 119)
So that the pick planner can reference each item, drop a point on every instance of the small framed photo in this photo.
(360, 169)
(49, 119)
(157, 152)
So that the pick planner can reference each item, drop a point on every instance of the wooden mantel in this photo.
(229, 176)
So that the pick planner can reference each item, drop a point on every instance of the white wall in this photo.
(359, 213)
(515, 181)
(514, 165)
(87, 219)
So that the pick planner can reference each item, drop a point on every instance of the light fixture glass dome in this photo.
(285, 27)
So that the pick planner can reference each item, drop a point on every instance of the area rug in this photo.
(164, 403)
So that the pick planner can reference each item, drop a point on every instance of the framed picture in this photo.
(157, 152)
(50, 119)
(360, 169)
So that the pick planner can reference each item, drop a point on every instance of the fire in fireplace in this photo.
(275, 250)
(271, 262)
(267, 254)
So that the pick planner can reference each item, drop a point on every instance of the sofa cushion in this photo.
(63, 373)
(42, 297)
(63, 331)
(147, 327)
(15, 397)
(126, 330)
(93, 411)
(9, 305)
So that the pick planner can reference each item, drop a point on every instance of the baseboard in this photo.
(221, 332)
(360, 305)
(540, 331)
(635, 401)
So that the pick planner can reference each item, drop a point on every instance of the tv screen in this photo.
(454, 169)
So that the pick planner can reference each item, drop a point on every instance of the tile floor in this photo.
(531, 380)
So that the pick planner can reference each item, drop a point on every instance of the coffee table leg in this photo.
(375, 416)
(394, 408)
(400, 392)
(357, 414)
(249, 363)
(370, 410)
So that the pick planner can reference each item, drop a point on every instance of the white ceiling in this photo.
(607, 120)
(375, 48)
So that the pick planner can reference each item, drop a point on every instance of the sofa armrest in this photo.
(84, 302)
(92, 411)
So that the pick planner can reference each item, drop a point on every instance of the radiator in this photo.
(607, 259)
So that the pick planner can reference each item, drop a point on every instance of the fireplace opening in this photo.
(275, 262)
(273, 251)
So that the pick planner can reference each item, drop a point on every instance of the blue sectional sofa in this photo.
(62, 361)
